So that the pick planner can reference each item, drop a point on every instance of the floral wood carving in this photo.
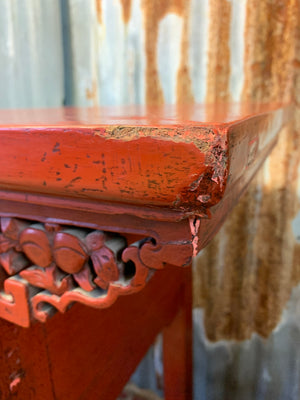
(49, 265)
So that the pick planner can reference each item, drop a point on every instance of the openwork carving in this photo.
(49, 265)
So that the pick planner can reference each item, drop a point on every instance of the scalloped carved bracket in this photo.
(48, 267)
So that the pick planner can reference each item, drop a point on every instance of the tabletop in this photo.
(94, 201)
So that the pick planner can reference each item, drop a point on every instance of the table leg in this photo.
(177, 349)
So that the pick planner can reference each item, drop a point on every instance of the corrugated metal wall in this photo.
(31, 54)
(109, 52)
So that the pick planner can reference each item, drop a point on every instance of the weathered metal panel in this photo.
(247, 280)
(104, 52)
(31, 58)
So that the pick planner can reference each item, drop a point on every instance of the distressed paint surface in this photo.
(164, 159)
(259, 242)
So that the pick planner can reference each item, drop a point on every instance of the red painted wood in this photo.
(168, 176)
(62, 259)
(86, 353)
(25, 371)
(177, 348)
(178, 161)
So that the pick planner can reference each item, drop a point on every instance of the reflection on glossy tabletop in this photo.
(194, 114)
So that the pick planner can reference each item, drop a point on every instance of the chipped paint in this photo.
(14, 384)
(194, 226)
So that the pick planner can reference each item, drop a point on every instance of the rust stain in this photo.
(245, 289)
(244, 278)
(126, 10)
(99, 11)
(222, 279)
(283, 69)
(154, 12)
(218, 70)
(14, 384)
(184, 90)
(258, 51)
(270, 50)
(92, 94)
(277, 269)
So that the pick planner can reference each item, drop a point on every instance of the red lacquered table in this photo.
(101, 212)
